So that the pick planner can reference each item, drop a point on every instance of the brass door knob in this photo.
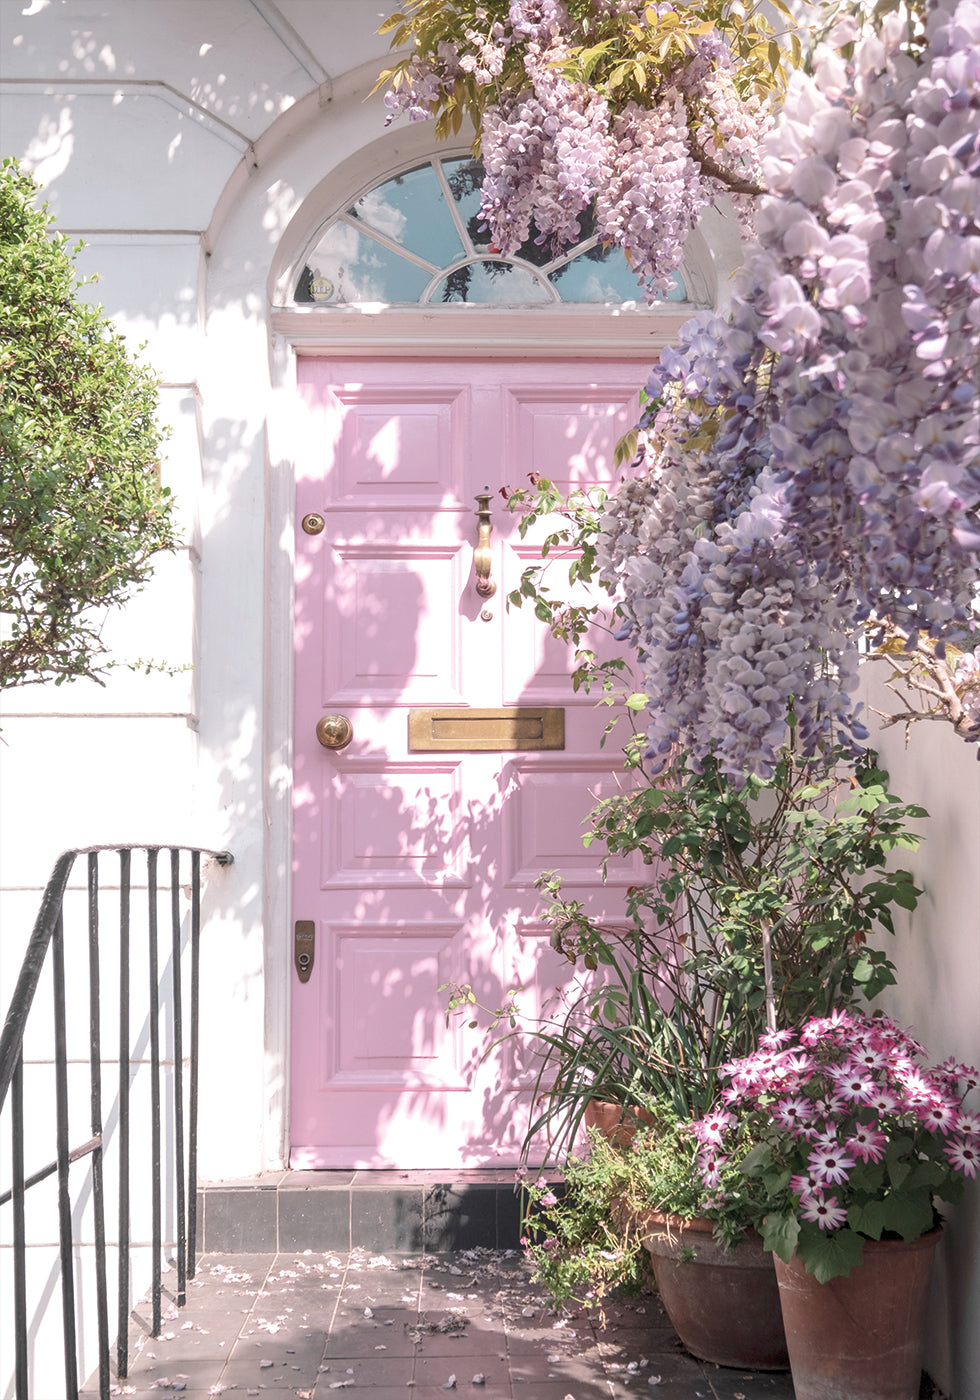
(334, 731)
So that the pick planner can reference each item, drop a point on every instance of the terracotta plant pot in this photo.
(859, 1337)
(723, 1304)
(614, 1121)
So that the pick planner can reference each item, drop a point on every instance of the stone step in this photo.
(382, 1211)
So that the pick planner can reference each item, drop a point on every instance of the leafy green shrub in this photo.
(82, 510)
(585, 1236)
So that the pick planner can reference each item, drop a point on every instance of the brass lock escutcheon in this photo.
(334, 731)
(304, 947)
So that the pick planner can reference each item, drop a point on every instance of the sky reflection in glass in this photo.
(391, 243)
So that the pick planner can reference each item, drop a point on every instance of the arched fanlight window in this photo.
(417, 238)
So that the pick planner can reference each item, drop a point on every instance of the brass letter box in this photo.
(460, 730)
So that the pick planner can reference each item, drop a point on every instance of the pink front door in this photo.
(416, 868)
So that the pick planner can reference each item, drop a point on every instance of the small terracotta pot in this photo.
(859, 1337)
(616, 1122)
(723, 1304)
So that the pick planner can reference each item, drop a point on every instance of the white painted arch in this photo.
(313, 162)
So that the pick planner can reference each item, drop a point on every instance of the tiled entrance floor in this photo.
(420, 1327)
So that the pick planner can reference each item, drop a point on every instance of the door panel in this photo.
(418, 868)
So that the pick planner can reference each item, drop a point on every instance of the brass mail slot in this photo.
(523, 727)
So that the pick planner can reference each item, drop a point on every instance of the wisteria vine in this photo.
(632, 115)
(809, 469)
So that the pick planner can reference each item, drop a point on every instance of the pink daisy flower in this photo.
(968, 1124)
(883, 1102)
(830, 1164)
(918, 1087)
(867, 1143)
(824, 1212)
(772, 1040)
(855, 1085)
(940, 1117)
(710, 1165)
(794, 1114)
(965, 1156)
(832, 1102)
(711, 1129)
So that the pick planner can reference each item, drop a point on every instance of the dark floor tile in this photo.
(436, 1370)
(727, 1384)
(558, 1390)
(383, 1392)
(371, 1371)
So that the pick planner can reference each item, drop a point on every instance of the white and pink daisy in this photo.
(915, 1085)
(773, 1040)
(883, 1102)
(709, 1167)
(870, 1057)
(830, 1164)
(711, 1129)
(855, 1085)
(867, 1143)
(964, 1155)
(939, 1116)
(824, 1212)
(794, 1114)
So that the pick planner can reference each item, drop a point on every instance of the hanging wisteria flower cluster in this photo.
(854, 1136)
(634, 115)
(810, 467)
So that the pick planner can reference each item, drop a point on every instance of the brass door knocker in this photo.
(485, 585)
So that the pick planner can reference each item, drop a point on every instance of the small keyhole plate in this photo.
(304, 947)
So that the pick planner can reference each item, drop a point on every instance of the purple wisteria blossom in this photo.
(810, 464)
(554, 149)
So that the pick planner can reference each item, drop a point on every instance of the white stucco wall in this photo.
(936, 951)
(194, 147)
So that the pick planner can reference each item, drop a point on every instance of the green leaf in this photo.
(780, 1232)
(869, 1218)
(831, 1254)
(908, 1213)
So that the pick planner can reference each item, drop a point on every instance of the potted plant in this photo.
(680, 987)
(782, 878)
(853, 1142)
(621, 1206)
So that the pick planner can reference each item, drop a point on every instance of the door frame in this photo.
(581, 335)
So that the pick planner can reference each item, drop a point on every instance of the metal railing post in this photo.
(48, 939)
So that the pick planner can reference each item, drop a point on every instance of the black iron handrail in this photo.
(49, 937)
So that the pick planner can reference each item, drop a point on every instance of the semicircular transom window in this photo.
(418, 238)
